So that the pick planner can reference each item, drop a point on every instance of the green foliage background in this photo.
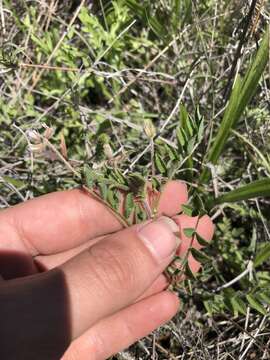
(138, 88)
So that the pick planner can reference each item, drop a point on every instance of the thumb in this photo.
(114, 272)
(58, 305)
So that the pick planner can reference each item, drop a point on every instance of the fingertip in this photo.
(206, 228)
(194, 265)
(169, 303)
(173, 195)
(161, 307)
(181, 184)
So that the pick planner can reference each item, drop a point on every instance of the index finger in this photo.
(64, 220)
(55, 222)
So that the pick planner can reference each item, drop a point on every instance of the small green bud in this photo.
(149, 128)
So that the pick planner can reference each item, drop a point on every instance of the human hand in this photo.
(101, 286)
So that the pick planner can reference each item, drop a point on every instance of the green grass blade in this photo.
(254, 74)
(242, 93)
(226, 124)
(255, 189)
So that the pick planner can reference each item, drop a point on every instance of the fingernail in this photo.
(159, 237)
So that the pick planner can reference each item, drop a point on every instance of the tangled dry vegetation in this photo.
(129, 87)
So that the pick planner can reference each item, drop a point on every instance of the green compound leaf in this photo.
(180, 135)
(189, 232)
(103, 190)
(137, 184)
(88, 176)
(140, 215)
(172, 153)
(113, 198)
(185, 121)
(118, 177)
(160, 164)
(264, 297)
(187, 210)
(255, 304)
(200, 256)
(15, 182)
(238, 305)
(201, 240)
(263, 255)
(189, 273)
(209, 307)
(129, 205)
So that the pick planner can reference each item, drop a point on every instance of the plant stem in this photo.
(119, 217)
